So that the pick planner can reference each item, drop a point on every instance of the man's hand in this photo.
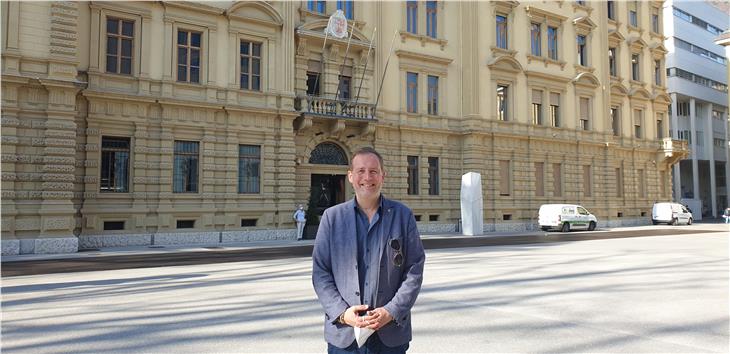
(352, 318)
(377, 318)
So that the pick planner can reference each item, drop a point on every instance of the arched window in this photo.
(328, 154)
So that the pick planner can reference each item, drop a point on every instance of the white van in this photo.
(670, 213)
(565, 217)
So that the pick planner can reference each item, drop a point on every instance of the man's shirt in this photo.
(369, 234)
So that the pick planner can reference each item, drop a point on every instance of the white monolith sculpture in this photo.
(471, 204)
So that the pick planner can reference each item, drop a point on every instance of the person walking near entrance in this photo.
(301, 219)
(374, 240)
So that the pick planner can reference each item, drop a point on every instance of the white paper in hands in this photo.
(362, 335)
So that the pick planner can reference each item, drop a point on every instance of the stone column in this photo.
(676, 173)
(710, 149)
(693, 147)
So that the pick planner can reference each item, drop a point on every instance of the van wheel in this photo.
(565, 228)
(591, 226)
(689, 221)
(654, 222)
(673, 222)
(544, 228)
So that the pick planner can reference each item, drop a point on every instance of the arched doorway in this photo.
(327, 184)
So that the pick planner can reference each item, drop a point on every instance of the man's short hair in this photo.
(368, 150)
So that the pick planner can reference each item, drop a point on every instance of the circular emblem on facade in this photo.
(337, 25)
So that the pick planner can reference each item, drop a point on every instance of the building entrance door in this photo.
(326, 190)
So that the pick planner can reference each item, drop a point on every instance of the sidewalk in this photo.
(168, 249)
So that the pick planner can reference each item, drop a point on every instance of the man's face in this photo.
(366, 176)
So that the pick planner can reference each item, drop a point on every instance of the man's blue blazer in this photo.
(335, 276)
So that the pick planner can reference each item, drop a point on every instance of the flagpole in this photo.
(344, 60)
(380, 90)
(367, 59)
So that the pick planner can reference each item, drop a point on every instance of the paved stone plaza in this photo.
(641, 294)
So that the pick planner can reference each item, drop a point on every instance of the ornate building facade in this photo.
(153, 123)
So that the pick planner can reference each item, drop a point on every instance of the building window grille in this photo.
(433, 176)
(535, 39)
(328, 154)
(433, 95)
(114, 165)
(501, 32)
(249, 169)
(188, 56)
(537, 107)
(502, 102)
(185, 174)
(412, 92)
(317, 6)
(251, 66)
(554, 109)
(553, 43)
(412, 175)
(119, 46)
(347, 6)
(582, 51)
(431, 21)
(412, 16)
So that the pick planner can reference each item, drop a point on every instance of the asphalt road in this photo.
(217, 255)
(665, 294)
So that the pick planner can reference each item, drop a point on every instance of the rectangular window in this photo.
(555, 109)
(619, 183)
(188, 56)
(313, 84)
(433, 95)
(119, 44)
(611, 9)
(185, 173)
(535, 39)
(250, 66)
(413, 175)
(585, 113)
(316, 6)
(683, 108)
(114, 165)
(635, 67)
(537, 107)
(587, 180)
(612, 62)
(412, 16)
(345, 87)
(655, 20)
(249, 169)
(638, 118)
(431, 19)
(185, 224)
(347, 6)
(658, 72)
(582, 53)
(633, 14)
(641, 182)
(539, 179)
(502, 102)
(412, 92)
(616, 120)
(113, 225)
(660, 125)
(433, 176)
(504, 178)
(501, 32)
(557, 180)
(552, 35)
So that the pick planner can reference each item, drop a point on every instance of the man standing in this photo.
(300, 218)
(367, 264)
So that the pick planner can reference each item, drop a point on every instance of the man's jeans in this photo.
(372, 346)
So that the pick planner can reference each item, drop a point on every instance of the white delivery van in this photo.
(565, 217)
(670, 213)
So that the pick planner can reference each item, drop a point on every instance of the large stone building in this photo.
(140, 123)
(696, 70)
